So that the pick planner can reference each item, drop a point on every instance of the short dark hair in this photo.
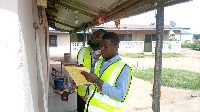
(104, 31)
(113, 37)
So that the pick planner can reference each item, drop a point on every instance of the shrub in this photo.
(172, 38)
(186, 44)
(196, 45)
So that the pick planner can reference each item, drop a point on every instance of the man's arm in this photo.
(118, 91)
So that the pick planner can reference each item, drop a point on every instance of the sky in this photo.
(185, 15)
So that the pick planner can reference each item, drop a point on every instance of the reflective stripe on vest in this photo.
(108, 100)
(84, 57)
(97, 109)
(114, 73)
(97, 64)
(84, 54)
(102, 101)
(80, 56)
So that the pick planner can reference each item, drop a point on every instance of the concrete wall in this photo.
(63, 44)
(187, 37)
(22, 88)
(74, 37)
(63, 41)
(183, 36)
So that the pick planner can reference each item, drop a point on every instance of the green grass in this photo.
(152, 55)
(136, 55)
(175, 78)
(170, 55)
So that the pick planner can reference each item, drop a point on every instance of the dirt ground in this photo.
(139, 99)
(172, 100)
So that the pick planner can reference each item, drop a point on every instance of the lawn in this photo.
(175, 78)
(152, 55)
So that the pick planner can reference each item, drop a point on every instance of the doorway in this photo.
(148, 42)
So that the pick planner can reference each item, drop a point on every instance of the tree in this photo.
(196, 36)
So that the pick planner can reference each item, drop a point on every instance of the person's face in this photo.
(97, 36)
(108, 49)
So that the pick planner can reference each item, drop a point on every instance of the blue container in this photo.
(58, 82)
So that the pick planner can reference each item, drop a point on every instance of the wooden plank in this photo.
(158, 57)
(42, 3)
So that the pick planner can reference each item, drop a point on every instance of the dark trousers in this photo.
(80, 104)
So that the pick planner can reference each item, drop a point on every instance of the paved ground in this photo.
(139, 99)
(57, 105)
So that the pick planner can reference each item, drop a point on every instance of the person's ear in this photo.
(117, 46)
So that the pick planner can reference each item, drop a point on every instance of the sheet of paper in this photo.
(76, 75)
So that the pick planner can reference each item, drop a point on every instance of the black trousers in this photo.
(80, 104)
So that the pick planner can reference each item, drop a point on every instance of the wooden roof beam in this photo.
(136, 9)
(123, 6)
(176, 2)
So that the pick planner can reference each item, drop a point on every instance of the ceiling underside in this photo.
(77, 15)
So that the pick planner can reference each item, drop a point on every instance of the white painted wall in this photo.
(131, 47)
(134, 46)
(169, 46)
(138, 35)
(63, 44)
(186, 37)
(21, 85)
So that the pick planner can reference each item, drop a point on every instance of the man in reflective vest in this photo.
(87, 57)
(111, 78)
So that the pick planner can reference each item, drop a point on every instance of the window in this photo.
(89, 36)
(150, 37)
(153, 37)
(53, 40)
(125, 37)
(128, 37)
(80, 37)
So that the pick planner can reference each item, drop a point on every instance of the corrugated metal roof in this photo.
(185, 32)
(62, 14)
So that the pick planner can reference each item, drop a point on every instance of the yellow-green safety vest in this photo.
(99, 102)
(84, 57)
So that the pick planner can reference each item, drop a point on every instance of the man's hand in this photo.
(90, 77)
(79, 65)
(64, 96)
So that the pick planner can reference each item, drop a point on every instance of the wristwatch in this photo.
(97, 81)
